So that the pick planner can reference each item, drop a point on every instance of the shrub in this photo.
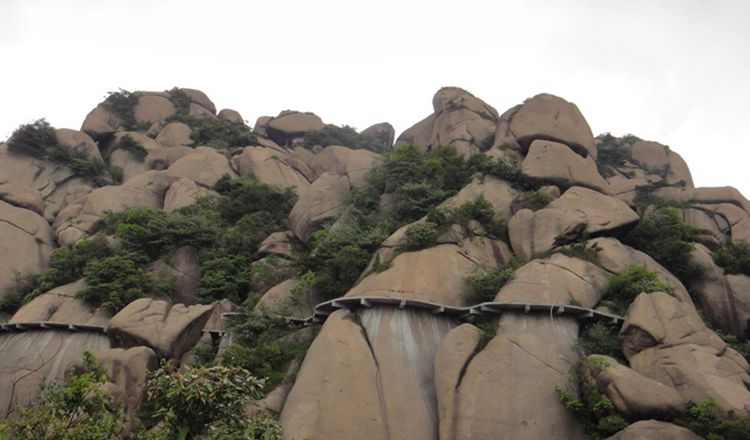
(498, 167)
(33, 139)
(705, 419)
(338, 256)
(218, 133)
(734, 258)
(130, 145)
(208, 401)
(623, 287)
(485, 282)
(265, 344)
(122, 104)
(413, 200)
(613, 152)
(224, 276)
(115, 281)
(247, 195)
(667, 239)
(478, 209)
(79, 410)
(600, 338)
(594, 410)
(535, 200)
(345, 136)
(38, 139)
(420, 236)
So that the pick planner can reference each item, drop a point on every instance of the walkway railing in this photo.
(324, 309)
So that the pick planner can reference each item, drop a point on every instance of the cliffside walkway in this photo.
(324, 309)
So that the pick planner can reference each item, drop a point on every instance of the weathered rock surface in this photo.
(714, 195)
(175, 133)
(454, 353)
(499, 193)
(205, 166)
(339, 364)
(383, 132)
(555, 163)
(725, 304)
(283, 244)
(442, 270)
(291, 125)
(633, 394)
(232, 116)
(600, 212)
(61, 305)
(22, 197)
(200, 98)
(659, 159)
(653, 429)
(666, 340)
(318, 204)
(532, 233)
(460, 119)
(343, 161)
(153, 108)
(515, 375)
(274, 168)
(184, 192)
(558, 279)
(170, 330)
(183, 267)
(79, 142)
(547, 117)
(25, 243)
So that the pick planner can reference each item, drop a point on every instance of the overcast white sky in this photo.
(677, 71)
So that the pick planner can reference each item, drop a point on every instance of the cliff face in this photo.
(544, 263)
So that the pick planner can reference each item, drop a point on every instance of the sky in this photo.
(672, 71)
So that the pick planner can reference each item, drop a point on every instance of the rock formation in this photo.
(462, 309)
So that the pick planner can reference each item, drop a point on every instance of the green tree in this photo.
(208, 401)
(79, 410)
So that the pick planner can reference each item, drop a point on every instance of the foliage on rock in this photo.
(486, 282)
(668, 240)
(623, 287)
(38, 139)
(734, 258)
(345, 136)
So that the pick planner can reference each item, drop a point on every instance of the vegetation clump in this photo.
(625, 286)
(613, 152)
(206, 402)
(600, 338)
(420, 236)
(80, 409)
(535, 200)
(734, 258)
(668, 240)
(122, 104)
(345, 136)
(132, 146)
(484, 284)
(38, 139)
(593, 409)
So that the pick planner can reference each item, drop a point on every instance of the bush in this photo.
(122, 104)
(338, 256)
(478, 209)
(218, 133)
(345, 136)
(625, 286)
(114, 282)
(600, 338)
(485, 282)
(535, 200)
(705, 419)
(33, 139)
(734, 258)
(419, 236)
(265, 344)
(208, 401)
(594, 410)
(247, 195)
(667, 239)
(79, 410)
(613, 152)
(130, 145)
(38, 139)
